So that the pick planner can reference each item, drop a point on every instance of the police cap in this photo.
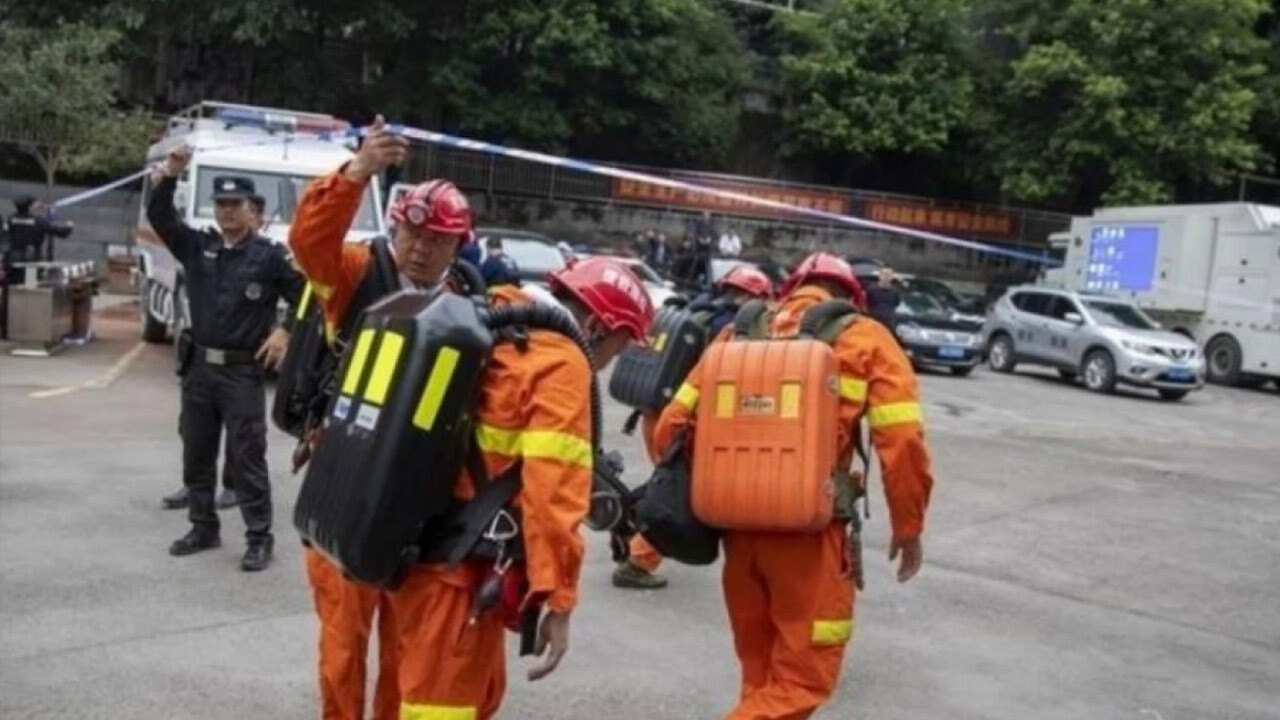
(233, 187)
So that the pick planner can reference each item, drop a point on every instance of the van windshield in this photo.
(271, 186)
(1118, 315)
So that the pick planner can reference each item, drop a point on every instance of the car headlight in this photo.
(1138, 347)
(910, 333)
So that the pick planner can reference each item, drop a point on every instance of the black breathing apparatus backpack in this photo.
(304, 382)
(646, 377)
(399, 428)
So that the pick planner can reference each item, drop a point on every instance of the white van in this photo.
(278, 149)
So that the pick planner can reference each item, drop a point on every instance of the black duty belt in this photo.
(218, 356)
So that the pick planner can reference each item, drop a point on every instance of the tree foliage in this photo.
(1060, 103)
(871, 76)
(1126, 99)
(57, 105)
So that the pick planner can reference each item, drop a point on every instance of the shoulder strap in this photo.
(831, 329)
(385, 273)
(752, 320)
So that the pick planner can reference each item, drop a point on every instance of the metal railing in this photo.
(499, 175)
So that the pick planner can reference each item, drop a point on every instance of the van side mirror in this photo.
(1074, 318)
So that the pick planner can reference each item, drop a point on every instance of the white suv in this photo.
(1100, 339)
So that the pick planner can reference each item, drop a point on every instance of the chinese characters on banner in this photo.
(659, 195)
(992, 223)
(944, 220)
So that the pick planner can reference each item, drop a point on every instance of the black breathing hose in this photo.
(543, 317)
(815, 316)
(469, 279)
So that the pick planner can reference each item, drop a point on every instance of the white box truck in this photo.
(1210, 272)
(280, 150)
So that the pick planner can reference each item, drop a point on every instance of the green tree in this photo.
(875, 76)
(1125, 100)
(56, 101)
(626, 78)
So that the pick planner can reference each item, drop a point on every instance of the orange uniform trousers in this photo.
(450, 668)
(346, 611)
(790, 598)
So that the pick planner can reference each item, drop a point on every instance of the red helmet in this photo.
(825, 266)
(610, 291)
(436, 205)
(749, 280)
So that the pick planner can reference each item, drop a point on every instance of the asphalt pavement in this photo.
(1086, 558)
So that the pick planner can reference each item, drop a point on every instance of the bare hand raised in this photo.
(380, 150)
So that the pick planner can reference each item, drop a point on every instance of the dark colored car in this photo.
(932, 334)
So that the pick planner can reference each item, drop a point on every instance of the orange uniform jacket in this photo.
(876, 381)
(533, 406)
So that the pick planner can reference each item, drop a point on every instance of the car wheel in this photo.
(153, 330)
(1000, 356)
(1100, 371)
(962, 371)
(1168, 394)
(1222, 360)
(1068, 375)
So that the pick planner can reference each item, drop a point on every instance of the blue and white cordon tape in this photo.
(610, 171)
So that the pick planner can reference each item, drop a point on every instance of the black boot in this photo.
(194, 542)
(177, 500)
(258, 555)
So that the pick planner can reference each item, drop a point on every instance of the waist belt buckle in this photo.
(215, 356)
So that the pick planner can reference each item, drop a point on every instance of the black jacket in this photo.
(29, 231)
(233, 291)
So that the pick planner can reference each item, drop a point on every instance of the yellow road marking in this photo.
(105, 381)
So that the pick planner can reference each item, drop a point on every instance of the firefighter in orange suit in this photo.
(431, 219)
(790, 596)
(639, 570)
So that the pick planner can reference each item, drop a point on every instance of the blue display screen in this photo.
(1122, 257)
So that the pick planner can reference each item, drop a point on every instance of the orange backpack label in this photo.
(765, 448)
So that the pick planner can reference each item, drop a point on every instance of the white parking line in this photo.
(105, 381)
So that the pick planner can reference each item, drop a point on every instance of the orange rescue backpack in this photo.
(765, 452)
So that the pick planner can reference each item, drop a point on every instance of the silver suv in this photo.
(1101, 339)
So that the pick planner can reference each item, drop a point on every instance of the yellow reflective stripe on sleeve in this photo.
(414, 711)
(352, 379)
(384, 367)
(304, 302)
(853, 389)
(322, 291)
(687, 396)
(894, 414)
(437, 382)
(831, 632)
(540, 444)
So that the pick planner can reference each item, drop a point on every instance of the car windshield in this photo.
(1118, 315)
(937, 289)
(721, 267)
(645, 272)
(271, 186)
(915, 302)
(533, 257)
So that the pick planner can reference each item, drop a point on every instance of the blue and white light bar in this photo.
(280, 121)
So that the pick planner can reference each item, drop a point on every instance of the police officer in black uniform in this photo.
(234, 281)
